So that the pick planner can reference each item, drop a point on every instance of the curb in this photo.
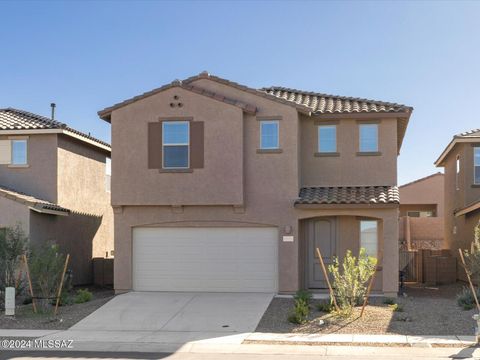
(360, 340)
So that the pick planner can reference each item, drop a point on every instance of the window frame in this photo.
(457, 172)
(265, 122)
(319, 127)
(176, 144)
(377, 245)
(373, 125)
(475, 148)
(12, 152)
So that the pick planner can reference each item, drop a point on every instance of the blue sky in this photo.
(88, 55)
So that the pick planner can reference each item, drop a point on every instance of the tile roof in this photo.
(349, 195)
(15, 119)
(469, 134)
(330, 104)
(465, 137)
(309, 103)
(31, 201)
(105, 113)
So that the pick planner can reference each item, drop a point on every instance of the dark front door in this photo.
(321, 233)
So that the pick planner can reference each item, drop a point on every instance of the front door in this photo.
(320, 233)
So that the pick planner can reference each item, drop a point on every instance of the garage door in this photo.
(205, 259)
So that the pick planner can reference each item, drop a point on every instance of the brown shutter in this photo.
(155, 145)
(196, 144)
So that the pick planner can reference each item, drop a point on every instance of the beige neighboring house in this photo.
(55, 182)
(221, 187)
(461, 161)
(422, 213)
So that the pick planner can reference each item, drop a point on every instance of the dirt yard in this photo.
(66, 317)
(426, 311)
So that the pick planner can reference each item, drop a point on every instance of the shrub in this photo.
(389, 301)
(13, 244)
(350, 285)
(324, 307)
(301, 308)
(46, 266)
(83, 296)
(472, 257)
(465, 298)
(396, 307)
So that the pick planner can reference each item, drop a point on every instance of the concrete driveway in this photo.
(179, 312)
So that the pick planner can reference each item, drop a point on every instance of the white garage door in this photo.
(205, 259)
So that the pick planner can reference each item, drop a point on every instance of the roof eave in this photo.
(42, 210)
(347, 206)
(456, 139)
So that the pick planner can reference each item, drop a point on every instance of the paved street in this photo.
(279, 352)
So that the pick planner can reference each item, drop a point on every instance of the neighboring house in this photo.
(461, 160)
(221, 187)
(54, 181)
(421, 213)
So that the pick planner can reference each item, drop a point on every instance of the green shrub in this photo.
(46, 266)
(301, 308)
(472, 256)
(325, 307)
(389, 301)
(350, 285)
(13, 244)
(396, 307)
(83, 296)
(465, 298)
(303, 295)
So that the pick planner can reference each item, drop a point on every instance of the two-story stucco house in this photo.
(55, 183)
(461, 161)
(221, 187)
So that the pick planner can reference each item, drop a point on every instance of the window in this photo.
(457, 173)
(369, 237)
(327, 138)
(369, 138)
(19, 152)
(108, 174)
(476, 164)
(176, 144)
(420, 213)
(269, 134)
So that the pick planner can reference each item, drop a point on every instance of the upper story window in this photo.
(476, 165)
(327, 138)
(19, 152)
(457, 173)
(175, 144)
(108, 174)
(369, 236)
(269, 134)
(368, 141)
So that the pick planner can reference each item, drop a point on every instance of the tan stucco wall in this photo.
(12, 213)
(429, 191)
(348, 169)
(82, 188)
(220, 182)
(39, 178)
(270, 182)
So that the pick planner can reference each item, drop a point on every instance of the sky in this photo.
(85, 56)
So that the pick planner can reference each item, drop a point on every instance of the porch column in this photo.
(390, 253)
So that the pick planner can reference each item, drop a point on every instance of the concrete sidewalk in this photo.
(172, 341)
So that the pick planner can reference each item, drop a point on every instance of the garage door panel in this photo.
(205, 259)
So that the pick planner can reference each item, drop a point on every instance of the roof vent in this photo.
(53, 105)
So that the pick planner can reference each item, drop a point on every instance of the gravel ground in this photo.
(66, 317)
(427, 311)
